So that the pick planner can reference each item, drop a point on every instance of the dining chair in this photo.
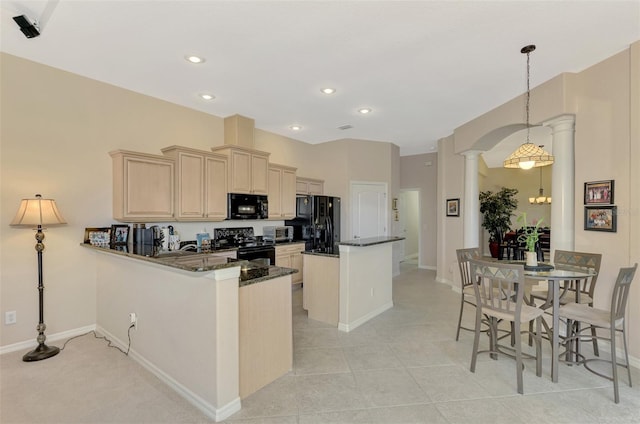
(467, 296)
(565, 259)
(612, 320)
(499, 290)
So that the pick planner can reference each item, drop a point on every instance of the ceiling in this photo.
(423, 67)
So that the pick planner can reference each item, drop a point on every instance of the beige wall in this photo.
(604, 99)
(415, 174)
(57, 130)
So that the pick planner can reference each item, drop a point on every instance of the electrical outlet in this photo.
(10, 317)
(133, 318)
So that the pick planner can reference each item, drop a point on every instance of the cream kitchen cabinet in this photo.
(290, 256)
(248, 169)
(282, 192)
(201, 184)
(309, 186)
(143, 187)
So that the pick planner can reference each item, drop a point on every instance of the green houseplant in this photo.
(529, 236)
(497, 209)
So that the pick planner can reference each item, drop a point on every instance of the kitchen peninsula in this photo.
(214, 329)
(354, 284)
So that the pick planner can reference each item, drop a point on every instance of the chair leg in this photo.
(614, 365)
(595, 341)
(518, 339)
(626, 353)
(476, 340)
(460, 317)
(539, 346)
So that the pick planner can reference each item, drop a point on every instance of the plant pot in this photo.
(532, 258)
(494, 246)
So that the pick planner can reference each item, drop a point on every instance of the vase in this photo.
(532, 258)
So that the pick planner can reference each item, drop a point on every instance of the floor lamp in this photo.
(39, 212)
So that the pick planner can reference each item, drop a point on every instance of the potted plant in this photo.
(529, 236)
(497, 209)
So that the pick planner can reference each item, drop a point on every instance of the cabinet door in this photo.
(216, 188)
(145, 189)
(259, 174)
(190, 186)
(275, 193)
(283, 261)
(288, 194)
(240, 172)
(297, 263)
(315, 188)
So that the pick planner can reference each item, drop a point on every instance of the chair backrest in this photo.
(464, 256)
(621, 292)
(565, 259)
(499, 287)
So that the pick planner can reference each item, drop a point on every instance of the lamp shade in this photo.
(528, 156)
(38, 211)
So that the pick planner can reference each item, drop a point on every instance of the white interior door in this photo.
(368, 210)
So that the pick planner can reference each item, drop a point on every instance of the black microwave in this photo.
(247, 206)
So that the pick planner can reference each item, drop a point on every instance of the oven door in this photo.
(263, 254)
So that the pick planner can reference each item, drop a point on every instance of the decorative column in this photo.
(471, 203)
(563, 185)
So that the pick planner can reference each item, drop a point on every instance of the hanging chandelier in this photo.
(528, 155)
(540, 199)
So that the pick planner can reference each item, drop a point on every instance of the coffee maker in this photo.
(147, 241)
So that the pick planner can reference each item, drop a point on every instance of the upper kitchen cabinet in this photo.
(282, 192)
(248, 169)
(143, 187)
(309, 186)
(200, 184)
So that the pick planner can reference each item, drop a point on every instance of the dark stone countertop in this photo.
(250, 272)
(370, 241)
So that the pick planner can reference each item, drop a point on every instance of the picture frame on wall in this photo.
(119, 235)
(453, 207)
(600, 218)
(599, 192)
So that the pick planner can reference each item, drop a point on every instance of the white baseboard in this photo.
(31, 344)
(218, 414)
(429, 267)
(357, 323)
(606, 347)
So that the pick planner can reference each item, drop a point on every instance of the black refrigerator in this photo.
(317, 223)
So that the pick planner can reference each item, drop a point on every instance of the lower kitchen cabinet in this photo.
(266, 334)
(290, 256)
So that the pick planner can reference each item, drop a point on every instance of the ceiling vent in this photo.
(345, 127)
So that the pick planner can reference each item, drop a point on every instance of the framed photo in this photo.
(453, 207)
(600, 218)
(97, 236)
(119, 235)
(598, 193)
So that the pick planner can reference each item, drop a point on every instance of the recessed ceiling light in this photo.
(207, 96)
(295, 127)
(195, 59)
(364, 110)
(328, 90)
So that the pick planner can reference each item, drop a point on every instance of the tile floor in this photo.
(402, 367)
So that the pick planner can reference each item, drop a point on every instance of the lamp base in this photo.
(41, 352)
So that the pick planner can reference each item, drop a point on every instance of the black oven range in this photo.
(249, 247)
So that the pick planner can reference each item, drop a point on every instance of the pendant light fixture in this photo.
(541, 199)
(528, 155)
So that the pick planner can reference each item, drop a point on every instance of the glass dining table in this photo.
(554, 277)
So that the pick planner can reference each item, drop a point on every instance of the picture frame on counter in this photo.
(97, 236)
(119, 235)
(453, 207)
(600, 218)
(599, 192)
